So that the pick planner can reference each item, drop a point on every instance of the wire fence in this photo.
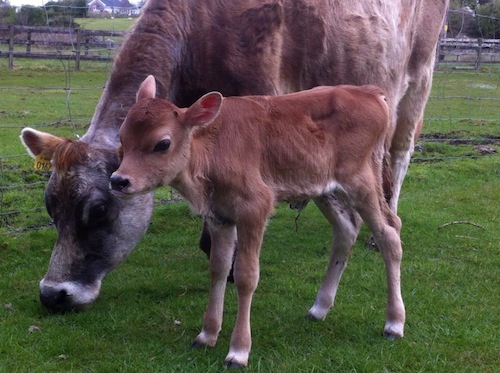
(462, 120)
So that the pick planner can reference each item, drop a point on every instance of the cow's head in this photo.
(96, 230)
(156, 140)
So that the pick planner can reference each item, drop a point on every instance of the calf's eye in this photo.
(162, 145)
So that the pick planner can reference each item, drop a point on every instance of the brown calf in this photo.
(234, 158)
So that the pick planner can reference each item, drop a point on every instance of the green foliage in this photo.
(31, 16)
(466, 18)
(7, 14)
(63, 13)
(53, 13)
(489, 20)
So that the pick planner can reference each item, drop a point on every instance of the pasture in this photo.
(150, 309)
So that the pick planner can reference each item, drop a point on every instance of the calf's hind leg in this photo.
(385, 226)
(345, 227)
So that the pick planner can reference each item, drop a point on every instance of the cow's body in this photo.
(235, 47)
(234, 159)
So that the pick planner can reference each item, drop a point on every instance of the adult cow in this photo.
(235, 47)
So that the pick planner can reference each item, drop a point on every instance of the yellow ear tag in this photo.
(42, 164)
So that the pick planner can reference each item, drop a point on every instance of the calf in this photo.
(234, 158)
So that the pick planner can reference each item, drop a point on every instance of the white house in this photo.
(113, 7)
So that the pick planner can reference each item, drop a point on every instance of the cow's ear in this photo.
(147, 89)
(205, 110)
(40, 143)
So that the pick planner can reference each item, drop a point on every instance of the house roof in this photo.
(117, 3)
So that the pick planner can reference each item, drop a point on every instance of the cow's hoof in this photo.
(232, 365)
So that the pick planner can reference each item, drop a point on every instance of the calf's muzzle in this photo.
(118, 183)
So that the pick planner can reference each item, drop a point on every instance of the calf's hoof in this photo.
(232, 365)
(197, 344)
(311, 317)
(391, 336)
(394, 330)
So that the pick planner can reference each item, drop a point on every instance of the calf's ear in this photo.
(39, 143)
(147, 89)
(205, 110)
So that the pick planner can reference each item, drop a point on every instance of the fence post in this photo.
(87, 42)
(28, 42)
(11, 46)
(479, 53)
(78, 46)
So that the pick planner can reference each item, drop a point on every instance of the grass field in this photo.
(111, 24)
(151, 308)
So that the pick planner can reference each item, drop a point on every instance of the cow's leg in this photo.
(223, 238)
(410, 113)
(345, 226)
(205, 245)
(250, 226)
(205, 242)
(385, 226)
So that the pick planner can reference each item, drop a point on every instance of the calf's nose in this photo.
(118, 183)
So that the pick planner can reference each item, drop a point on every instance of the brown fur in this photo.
(247, 47)
(234, 159)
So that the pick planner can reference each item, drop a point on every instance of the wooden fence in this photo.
(58, 43)
(79, 44)
(473, 52)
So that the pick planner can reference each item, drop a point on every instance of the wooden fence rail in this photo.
(469, 51)
(58, 43)
(96, 45)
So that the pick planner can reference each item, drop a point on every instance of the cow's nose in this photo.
(119, 183)
(53, 298)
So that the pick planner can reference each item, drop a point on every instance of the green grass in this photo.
(111, 24)
(450, 272)
(450, 280)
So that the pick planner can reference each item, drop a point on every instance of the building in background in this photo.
(112, 7)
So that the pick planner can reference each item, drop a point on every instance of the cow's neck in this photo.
(151, 48)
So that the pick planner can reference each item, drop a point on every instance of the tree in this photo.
(62, 13)
(489, 20)
(7, 13)
(30, 16)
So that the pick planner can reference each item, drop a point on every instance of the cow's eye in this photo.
(98, 212)
(162, 146)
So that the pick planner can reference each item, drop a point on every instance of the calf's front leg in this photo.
(246, 276)
(223, 238)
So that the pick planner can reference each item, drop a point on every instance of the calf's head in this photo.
(156, 139)
(96, 230)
